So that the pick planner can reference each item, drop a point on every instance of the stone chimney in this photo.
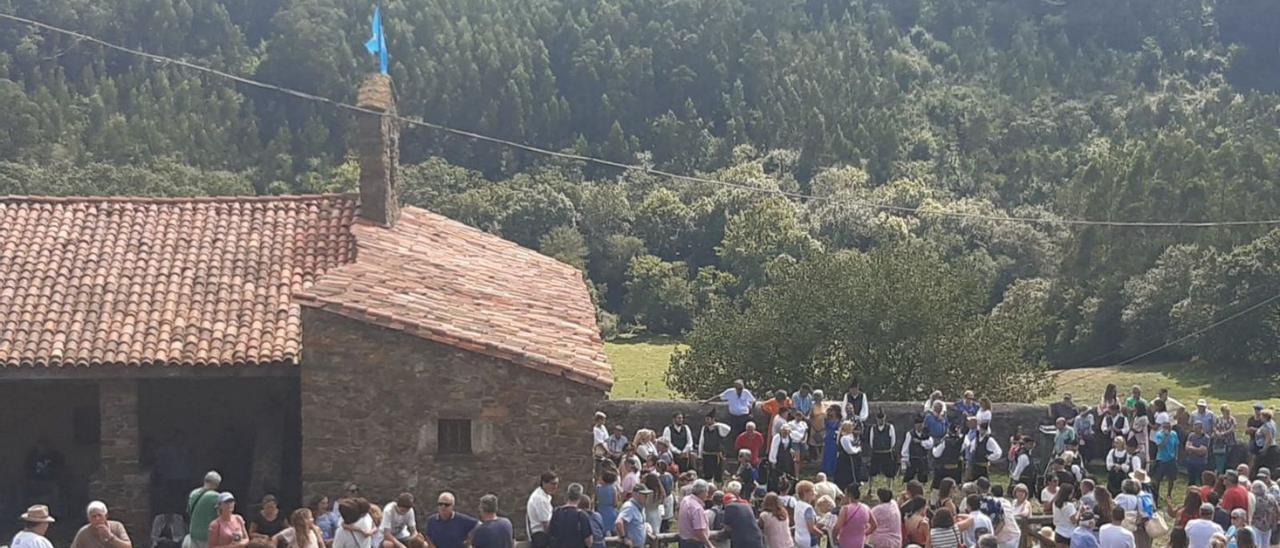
(378, 149)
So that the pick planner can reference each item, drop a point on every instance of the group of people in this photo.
(211, 520)
(1164, 437)
(1100, 481)
(841, 437)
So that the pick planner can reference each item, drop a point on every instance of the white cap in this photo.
(1202, 403)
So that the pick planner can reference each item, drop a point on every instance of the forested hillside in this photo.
(1131, 110)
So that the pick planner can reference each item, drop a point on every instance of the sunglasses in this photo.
(444, 504)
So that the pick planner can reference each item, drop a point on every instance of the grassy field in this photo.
(1187, 382)
(640, 362)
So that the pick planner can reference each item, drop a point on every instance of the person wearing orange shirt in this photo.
(771, 409)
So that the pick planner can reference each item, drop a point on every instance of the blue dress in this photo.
(831, 448)
(605, 504)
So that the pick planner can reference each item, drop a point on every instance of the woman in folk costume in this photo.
(781, 461)
(849, 466)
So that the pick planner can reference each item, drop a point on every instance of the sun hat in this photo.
(1139, 476)
(225, 497)
(37, 514)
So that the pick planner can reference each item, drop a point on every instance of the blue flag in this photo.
(377, 45)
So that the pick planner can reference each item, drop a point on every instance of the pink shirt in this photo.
(854, 532)
(888, 526)
(691, 517)
(222, 532)
(777, 532)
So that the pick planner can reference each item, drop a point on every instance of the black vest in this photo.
(679, 437)
(1123, 458)
(711, 440)
(855, 403)
(916, 448)
(980, 450)
(1117, 425)
(882, 442)
(951, 451)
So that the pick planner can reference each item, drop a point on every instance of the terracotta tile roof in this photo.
(447, 282)
(219, 281)
(158, 281)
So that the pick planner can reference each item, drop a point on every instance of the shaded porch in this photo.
(140, 439)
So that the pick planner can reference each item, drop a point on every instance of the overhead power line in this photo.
(623, 166)
(1202, 330)
(1101, 370)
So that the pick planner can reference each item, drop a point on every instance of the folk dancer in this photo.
(915, 452)
(883, 438)
(947, 453)
(711, 444)
(982, 449)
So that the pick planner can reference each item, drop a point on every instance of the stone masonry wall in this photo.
(371, 397)
(119, 480)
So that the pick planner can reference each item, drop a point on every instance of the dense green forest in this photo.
(1050, 109)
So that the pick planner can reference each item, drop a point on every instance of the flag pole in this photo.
(382, 41)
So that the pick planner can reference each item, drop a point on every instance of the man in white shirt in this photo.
(741, 402)
(1114, 535)
(980, 521)
(599, 436)
(981, 449)
(399, 524)
(855, 404)
(1200, 531)
(538, 510)
(35, 523)
(680, 437)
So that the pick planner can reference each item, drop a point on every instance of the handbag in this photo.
(1157, 527)
(1130, 521)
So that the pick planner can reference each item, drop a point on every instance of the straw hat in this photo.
(37, 514)
(1139, 476)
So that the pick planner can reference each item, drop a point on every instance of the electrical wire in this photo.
(619, 165)
(1104, 370)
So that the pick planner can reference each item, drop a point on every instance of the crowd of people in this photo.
(816, 471)
(1098, 479)
(211, 520)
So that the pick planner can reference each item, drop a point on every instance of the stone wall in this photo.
(371, 397)
(654, 414)
(119, 481)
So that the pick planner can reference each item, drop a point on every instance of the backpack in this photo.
(994, 511)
